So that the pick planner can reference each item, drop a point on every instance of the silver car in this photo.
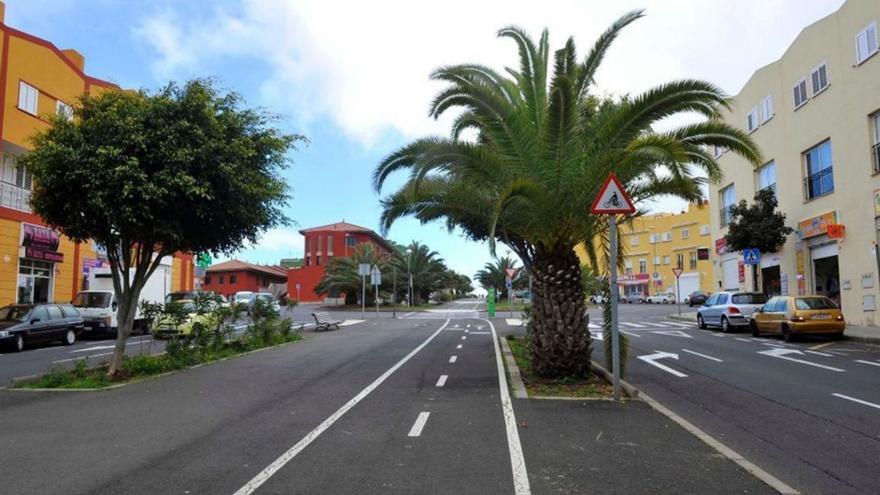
(633, 298)
(729, 310)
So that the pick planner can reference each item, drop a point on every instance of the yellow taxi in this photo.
(791, 316)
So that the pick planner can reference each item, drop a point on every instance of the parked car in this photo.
(596, 299)
(729, 310)
(165, 325)
(633, 297)
(25, 324)
(244, 299)
(269, 299)
(662, 298)
(697, 298)
(792, 316)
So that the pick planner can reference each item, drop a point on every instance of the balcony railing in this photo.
(876, 154)
(819, 184)
(17, 198)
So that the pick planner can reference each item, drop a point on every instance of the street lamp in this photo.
(409, 290)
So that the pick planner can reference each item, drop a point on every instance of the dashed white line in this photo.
(453, 359)
(417, 427)
(860, 401)
(287, 456)
(824, 354)
(703, 356)
(862, 361)
(464, 337)
(632, 325)
(652, 324)
(458, 346)
(442, 380)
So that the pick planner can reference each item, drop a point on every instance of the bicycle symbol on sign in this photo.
(613, 202)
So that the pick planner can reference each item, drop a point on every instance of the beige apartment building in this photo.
(815, 113)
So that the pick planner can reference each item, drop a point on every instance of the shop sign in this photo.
(633, 279)
(836, 231)
(702, 253)
(720, 246)
(816, 225)
(742, 272)
(40, 243)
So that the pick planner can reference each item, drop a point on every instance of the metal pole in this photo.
(394, 294)
(363, 296)
(615, 338)
(678, 294)
(376, 297)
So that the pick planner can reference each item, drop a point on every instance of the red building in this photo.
(322, 244)
(233, 276)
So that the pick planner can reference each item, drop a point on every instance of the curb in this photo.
(516, 382)
(859, 338)
(631, 391)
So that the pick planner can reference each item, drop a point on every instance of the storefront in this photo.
(818, 251)
(730, 267)
(36, 264)
(771, 274)
(634, 283)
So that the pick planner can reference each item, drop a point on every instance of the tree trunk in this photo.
(125, 319)
(559, 337)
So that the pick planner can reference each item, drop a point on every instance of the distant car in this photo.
(662, 298)
(596, 299)
(243, 299)
(634, 297)
(165, 327)
(696, 298)
(792, 316)
(269, 299)
(24, 324)
(730, 310)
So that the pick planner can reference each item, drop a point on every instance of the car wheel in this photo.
(755, 331)
(725, 325)
(69, 337)
(700, 323)
(18, 344)
(786, 334)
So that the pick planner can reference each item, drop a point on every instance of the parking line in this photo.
(416, 429)
(860, 401)
(453, 359)
(872, 363)
(442, 380)
(287, 456)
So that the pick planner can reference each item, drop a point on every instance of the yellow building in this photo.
(37, 264)
(815, 113)
(655, 244)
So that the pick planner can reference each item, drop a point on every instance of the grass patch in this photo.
(592, 387)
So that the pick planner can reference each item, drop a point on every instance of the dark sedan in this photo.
(697, 298)
(25, 324)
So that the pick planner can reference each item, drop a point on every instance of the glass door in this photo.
(35, 281)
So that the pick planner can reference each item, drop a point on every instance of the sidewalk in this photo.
(870, 335)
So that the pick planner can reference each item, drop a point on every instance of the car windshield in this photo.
(92, 300)
(808, 303)
(749, 298)
(177, 296)
(244, 296)
(265, 297)
(14, 313)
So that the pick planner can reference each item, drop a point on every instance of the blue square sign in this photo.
(751, 256)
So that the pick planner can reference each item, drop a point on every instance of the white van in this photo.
(98, 304)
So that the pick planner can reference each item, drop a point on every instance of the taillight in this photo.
(733, 310)
(839, 317)
(797, 318)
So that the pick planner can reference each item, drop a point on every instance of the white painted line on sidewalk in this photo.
(517, 462)
(416, 429)
(286, 457)
(458, 346)
(632, 325)
(862, 361)
(442, 380)
(860, 401)
(824, 354)
(453, 359)
(703, 356)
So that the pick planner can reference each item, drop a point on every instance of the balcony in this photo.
(819, 184)
(17, 198)
(875, 152)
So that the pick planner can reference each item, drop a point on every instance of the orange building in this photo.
(36, 263)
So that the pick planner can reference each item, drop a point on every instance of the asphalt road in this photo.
(807, 412)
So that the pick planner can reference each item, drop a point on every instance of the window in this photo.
(63, 109)
(705, 230)
(685, 233)
(350, 241)
(221, 280)
(628, 264)
(653, 239)
(819, 78)
(866, 43)
(728, 197)
(233, 279)
(307, 246)
(679, 260)
(752, 120)
(693, 260)
(40, 314)
(329, 244)
(55, 313)
(308, 261)
(722, 299)
(28, 97)
(207, 280)
(656, 260)
(69, 311)
(643, 266)
(819, 180)
(800, 93)
(749, 298)
(634, 240)
(320, 244)
(318, 258)
(766, 109)
(876, 149)
(766, 176)
(629, 271)
(711, 300)
(667, 236)
(666, 260)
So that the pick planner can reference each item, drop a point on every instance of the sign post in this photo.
(376, 280)
(613, 200)
(511, 272)
(363, 271)
(677, 273)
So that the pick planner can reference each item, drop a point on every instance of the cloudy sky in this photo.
(353, 76)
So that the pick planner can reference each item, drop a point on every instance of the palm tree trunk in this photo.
(559, 337)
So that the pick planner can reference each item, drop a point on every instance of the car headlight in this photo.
(4, 333)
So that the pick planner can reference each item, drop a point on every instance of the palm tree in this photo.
(341, 274)
(544, 144)
(494, 275)
(426, 266)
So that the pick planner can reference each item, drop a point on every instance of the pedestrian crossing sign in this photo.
(751, 256)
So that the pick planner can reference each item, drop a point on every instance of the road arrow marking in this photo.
(782, 354)
(823, 354)
(860, 401)
(674, 333)
(703, 355)
(652, 360)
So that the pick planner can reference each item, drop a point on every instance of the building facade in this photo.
(655, 244)
(815, 113)
(233, 276)
(320, 245)
(36, 263)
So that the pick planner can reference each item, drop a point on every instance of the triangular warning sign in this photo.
(510, 272)
(612, 198)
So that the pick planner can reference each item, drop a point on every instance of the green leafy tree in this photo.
(544, 144)
(757, 226)
(426, 266)
(183, 169)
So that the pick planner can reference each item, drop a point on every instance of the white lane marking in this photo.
(513, 322)
(632, 325)
(652, 360)
(652, 324)
(96, 348)
(479, 333)
(823, 354)
(594, 326)
(468, 331)
(442, 380)
(773, 344)
(517, 462)
(860, 401)
(464, 337)
(416, 429)
(458, 346)
(703, 355)
(286, 457)
(674, 333)
(781, 354)
(742, 340)
(717, 334)
(468, 325)
(453, 359)
(407, 315)
(872, 363)
(632, 334)
(683, 325)
(90, 356)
